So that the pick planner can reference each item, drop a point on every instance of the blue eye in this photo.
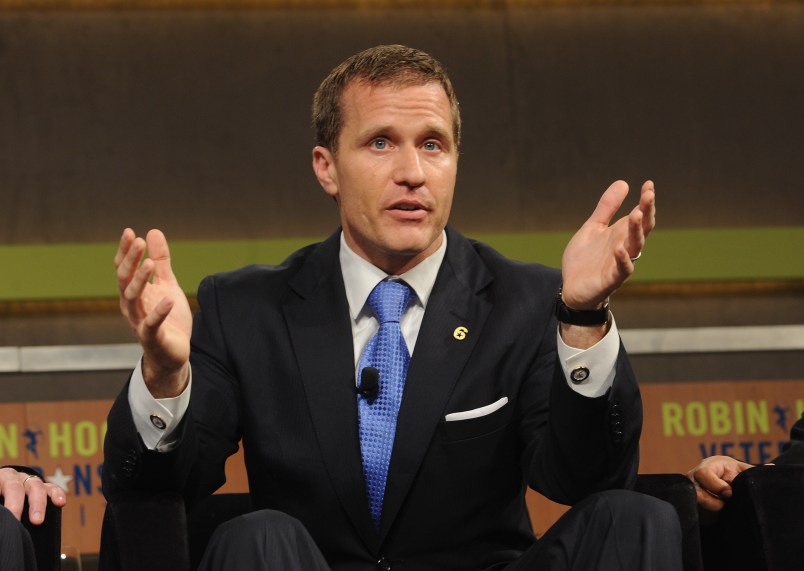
(431, 146)
(379, 144)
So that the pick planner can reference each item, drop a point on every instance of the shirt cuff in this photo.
(156, 419)
(595, 365)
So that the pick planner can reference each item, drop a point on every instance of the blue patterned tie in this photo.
(388, 353)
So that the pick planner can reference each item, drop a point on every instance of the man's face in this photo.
(394, 173)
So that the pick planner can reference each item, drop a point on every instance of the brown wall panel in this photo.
(196, 121)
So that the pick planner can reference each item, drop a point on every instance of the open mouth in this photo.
(408, 212)
(408, 206)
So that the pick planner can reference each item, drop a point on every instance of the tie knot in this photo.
(389, 299)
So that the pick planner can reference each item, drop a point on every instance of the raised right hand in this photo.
(157, 310)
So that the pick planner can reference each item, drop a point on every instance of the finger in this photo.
(647, 187)
(139, 280)
(707, 501)
(625, 267)
(56, 495)
(126, 239)
(133, 294)
(159, 252)
(636, 236)
(609, 203)
(647, 203)
(130, 262)
(733, 469)
(712, 483)
(12, 491)
(37, 499)
(158, 315)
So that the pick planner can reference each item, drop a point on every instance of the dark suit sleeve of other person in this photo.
(273, 362)
(794, 450)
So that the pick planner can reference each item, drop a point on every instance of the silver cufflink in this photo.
(579, 374)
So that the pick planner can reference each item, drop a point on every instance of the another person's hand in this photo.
(156, 309)
(712, 479)
(14, 486)
(600, 257)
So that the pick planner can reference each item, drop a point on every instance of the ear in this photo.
(325, 171)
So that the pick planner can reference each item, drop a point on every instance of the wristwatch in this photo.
(581, 317)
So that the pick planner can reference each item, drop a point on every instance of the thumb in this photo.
(609, 203)
(159, 252)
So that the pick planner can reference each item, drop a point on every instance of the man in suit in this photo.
(714, 475)
(496, 394)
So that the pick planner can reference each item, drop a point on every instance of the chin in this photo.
(414, 241)
(411, 245)
(423, 236)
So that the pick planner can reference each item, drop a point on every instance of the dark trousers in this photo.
(16, 547)
(616, 530)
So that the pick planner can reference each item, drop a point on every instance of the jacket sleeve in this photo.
(207, 435)
(578, 445)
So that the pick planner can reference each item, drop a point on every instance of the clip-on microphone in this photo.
(369, 384)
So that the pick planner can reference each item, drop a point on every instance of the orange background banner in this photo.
(684, 422)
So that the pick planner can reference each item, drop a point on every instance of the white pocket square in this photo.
(477, 412)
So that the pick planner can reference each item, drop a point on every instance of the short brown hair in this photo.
(396, 65)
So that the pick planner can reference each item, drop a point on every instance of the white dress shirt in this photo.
(359, 278)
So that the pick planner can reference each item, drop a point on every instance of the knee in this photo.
(264, 539)
(259, 522)
(642, 509)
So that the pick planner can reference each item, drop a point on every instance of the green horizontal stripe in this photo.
(75, 271)
(722, 254)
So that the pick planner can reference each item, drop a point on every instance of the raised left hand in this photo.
(600, 257)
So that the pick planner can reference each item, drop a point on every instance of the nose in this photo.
(408, 169)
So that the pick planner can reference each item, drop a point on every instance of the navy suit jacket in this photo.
(273, 364)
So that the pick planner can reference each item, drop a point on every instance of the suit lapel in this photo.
(318, 321)
(441, 352)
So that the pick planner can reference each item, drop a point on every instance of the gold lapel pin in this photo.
(460, 333)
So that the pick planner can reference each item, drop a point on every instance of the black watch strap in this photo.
(581, 317)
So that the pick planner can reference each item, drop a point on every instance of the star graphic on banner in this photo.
(61, 479)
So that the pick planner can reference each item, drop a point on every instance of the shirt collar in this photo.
(360, 276)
